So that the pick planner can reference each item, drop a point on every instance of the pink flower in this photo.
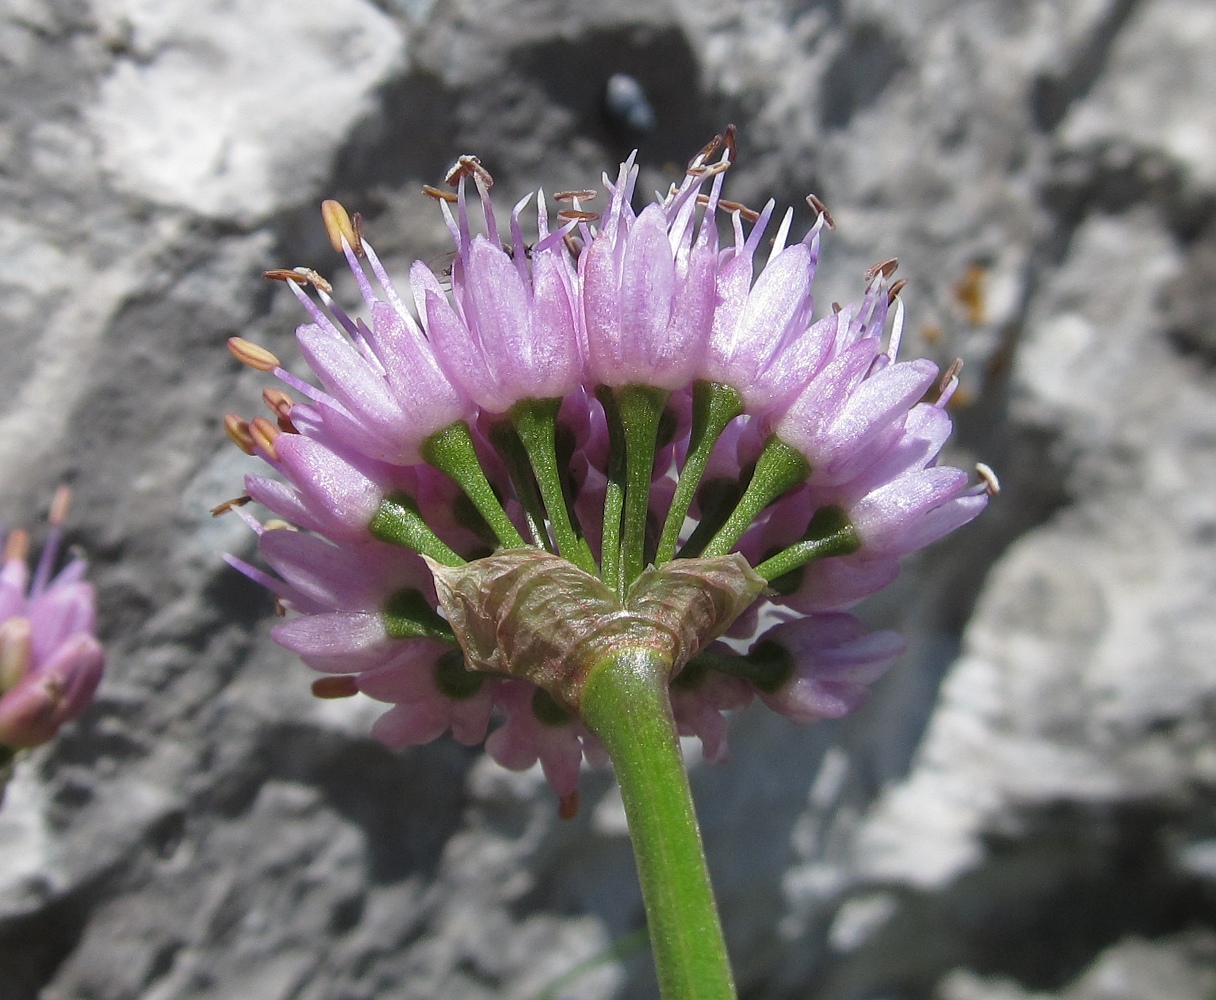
(50, 659)
(561, 391)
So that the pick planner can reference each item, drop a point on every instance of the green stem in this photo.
(614, 494)
(625, 703)
(829, 534)
(714, 405)
(512, 451)
(535, 422)
(398, 522)
(778, 469)
(641, 408)
(451, 450)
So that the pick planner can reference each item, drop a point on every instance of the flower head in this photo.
(620, 433)
(50, 660)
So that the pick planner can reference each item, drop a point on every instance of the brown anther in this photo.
(728, 140)
(17, 545)
(574, 215)
(950, 374)
(339, 227)
(238, 432)
(301, 276)
(836, 307)
(822, 209)
(708, 169)
(885, 267)
(991, 483)
(573, 244)
(468, 166)
(439, 194)
(750, 214)
(280, 405)
(60, 505)
(280, 609)
(567, 806)
(232, 504)
(264, 435)
(895, 289)
(335, 686)
(706, 151)
(357, 219)
(587, 194)
(249, 353)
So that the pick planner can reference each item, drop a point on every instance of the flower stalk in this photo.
(625, 704)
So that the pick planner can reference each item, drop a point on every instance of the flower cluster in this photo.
(632, 399)
(50, 661)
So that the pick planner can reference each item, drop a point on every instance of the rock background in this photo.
(1041, 825)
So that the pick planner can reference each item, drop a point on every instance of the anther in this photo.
(750, 214)
(232, 504)
(264, 434)
(337, 686)
(705, 152)
(585, 195)
(573, 244)
(357, 219)
(238, 432)
(280, 405)
(439, 194)
(821, 209)
(950, 375)
(17, 545)
(728, 140)
(567, 806)
(574, 215)
(991, 483)
(339, 227)
(249, 353)
(60, 506)
(886, 268)
(278, 524)
(708, 169)
(301, 276)
(895, 289)
(468, 166)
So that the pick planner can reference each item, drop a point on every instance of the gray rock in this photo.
(1044, 173)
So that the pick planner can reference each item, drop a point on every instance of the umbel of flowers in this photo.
(597, 484)
(50, 660)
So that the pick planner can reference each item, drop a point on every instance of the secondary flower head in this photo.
(618, 434)
(50, 660)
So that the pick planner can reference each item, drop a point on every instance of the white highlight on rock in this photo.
(203, 113)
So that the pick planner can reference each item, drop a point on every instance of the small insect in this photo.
(441, 265)
(627, 106)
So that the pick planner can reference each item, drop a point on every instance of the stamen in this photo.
(339, 227)
(337, 686)
(468, 166)
(822, 209)
(895, 289)
(238, 432)
(249, 353)
(438, 194)
(299, 276)
(897, 330)
(586, 194)
(278, 524)
(60, 506)
(230, 505)
(991, 483)
(950, 375)
(280, 405)
(264, 435)
(17, 545)
(574, 215)
(886, 268)
(750, 214)
(567, 806)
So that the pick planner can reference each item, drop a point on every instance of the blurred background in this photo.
(1026, 805)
